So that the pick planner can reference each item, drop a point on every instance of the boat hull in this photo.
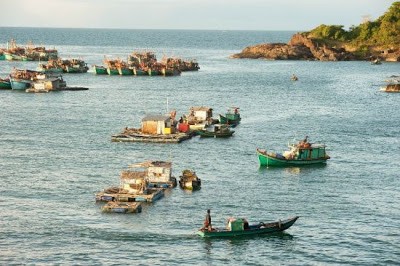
(267, 160)
(98, 70)
(70, 69)
(20, 84)
(5, 85)
(208, 134)
(257, 229)
(122, 207)
(190, 185)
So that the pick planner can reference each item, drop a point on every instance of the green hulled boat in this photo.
(12, 57)
(232, 117)
(2, 56)
(240, 227)
(303, 153)
(5, 84)
(76, 69)
(216, 131)
(100, 70)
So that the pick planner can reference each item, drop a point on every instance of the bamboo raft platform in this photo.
(135, 135)
(122, 207)
(117, 194)
(41, 90)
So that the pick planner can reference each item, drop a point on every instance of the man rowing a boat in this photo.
(207, 222)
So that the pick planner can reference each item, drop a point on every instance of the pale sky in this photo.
(189, 14)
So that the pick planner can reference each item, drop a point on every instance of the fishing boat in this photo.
(189, 180)
(302, 153)
(5, 84)
(11, 56)
(376, 61)
(391, 88)
(216, 131)
(52, 67)
(74, 66)
(23, 79)
(232, 117)
(122, 207)
(240, 227)
(100, 70)
(393, 84)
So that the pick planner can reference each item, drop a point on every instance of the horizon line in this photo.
(173, 29)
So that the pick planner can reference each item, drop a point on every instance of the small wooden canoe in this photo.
(253, 229)
(189, 180)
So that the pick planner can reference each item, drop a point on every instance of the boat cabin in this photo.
(199, 114)
(133, 182)
(308, 152)
(158, 124)
(237, 224)
(48, 84)
(156, 172)
(159, 171)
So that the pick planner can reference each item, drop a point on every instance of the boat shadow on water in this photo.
(243, 239)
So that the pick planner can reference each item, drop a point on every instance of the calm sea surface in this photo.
(56, 153)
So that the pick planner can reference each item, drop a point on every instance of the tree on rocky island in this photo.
(370, 39)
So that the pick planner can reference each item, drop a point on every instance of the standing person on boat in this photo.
(207, 221)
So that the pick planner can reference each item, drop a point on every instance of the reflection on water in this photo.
(292, 170)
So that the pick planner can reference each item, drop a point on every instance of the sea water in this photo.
(56, 153)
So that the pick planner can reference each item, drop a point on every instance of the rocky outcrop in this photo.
(278, 51)
(301, 47)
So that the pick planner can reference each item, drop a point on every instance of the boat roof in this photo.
(200, 108)
(148, 164)
(155, 118)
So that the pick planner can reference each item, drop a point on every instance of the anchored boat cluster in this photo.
(13, 52)
(143, 183)
(35, 81)
(48, 78)
(145, 64)
(166, 129)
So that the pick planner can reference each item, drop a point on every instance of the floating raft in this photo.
(157, 138)
(42, 90)
(122, 207)
(115, 194)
